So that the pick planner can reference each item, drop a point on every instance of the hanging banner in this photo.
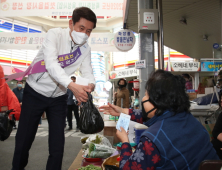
(185, 66)
(33, 41)
(18, 8)
(124, 40)
(131, 72)
(211, 66)
(25, 41)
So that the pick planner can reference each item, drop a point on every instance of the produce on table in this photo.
(83, 140)
(91, 147)
(90, 167)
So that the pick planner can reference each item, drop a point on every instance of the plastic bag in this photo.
(90, 119)
(97, 139)
(100, 154)
(5, 125)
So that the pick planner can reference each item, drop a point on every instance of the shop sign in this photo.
(185, 66)
(131, 72)
(211, 66)
(33, 41)
(59, 7)
(140, 64)
(124, 40)
(216, 45)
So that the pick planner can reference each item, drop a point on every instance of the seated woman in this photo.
(174, 139)
(217, 132)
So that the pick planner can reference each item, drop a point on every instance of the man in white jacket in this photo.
(46, 91)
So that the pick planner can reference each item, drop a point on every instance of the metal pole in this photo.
(160, 35)
(146, 49)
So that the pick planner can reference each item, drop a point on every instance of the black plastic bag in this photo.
(90, 119)
(5, 125)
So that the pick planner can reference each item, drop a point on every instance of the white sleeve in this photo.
(86, 69)
(50, 52)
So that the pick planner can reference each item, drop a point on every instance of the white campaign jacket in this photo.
(55, 82)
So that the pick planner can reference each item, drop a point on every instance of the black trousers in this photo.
(75, 109)
(33, 105)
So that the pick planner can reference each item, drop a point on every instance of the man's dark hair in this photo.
(84, 12)
(167, 92)
(73, 77)
(19, 81)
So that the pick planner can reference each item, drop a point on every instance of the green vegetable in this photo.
(90, 167)
(83, 140)
(98, 140)
(91, 147)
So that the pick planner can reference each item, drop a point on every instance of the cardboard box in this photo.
(110, 130)
(192, 96)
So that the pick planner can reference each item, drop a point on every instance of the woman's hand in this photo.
(122, 135)
(111, 109)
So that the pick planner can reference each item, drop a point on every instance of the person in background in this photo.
(8, 100)
(217, 132)
(72, 106)
(188, 83)
(174, 139)
(122, 94)
(19, 91)
(19, 94)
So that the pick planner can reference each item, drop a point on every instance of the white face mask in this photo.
(79, 37)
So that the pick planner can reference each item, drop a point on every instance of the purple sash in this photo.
(39, 67)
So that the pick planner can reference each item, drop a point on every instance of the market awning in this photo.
(203, 18)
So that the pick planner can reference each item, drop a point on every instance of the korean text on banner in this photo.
(33, 41)
(185, 66)
(131, 72)
(211, 66)
(18, 8)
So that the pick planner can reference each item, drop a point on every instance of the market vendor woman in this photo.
(174, 139)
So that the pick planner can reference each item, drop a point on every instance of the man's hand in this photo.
(79, 91)
(92, 86)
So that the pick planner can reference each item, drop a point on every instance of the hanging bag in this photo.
(90, 119)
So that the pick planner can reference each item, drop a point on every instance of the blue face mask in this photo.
(19, 85)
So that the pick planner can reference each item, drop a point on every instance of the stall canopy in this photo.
(203, 17)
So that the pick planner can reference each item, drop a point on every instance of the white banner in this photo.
(131, 72)
(102, 42)
(33, 41)
(185, 66)
(18, 8)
